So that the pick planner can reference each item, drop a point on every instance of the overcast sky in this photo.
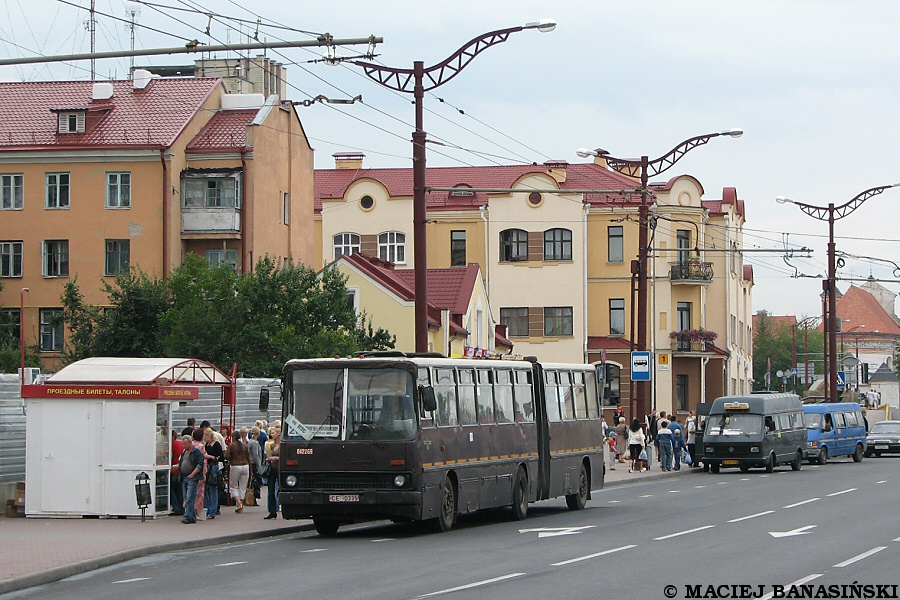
(814, 84)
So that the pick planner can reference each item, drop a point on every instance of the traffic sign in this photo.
(640, 366)
(841, 380)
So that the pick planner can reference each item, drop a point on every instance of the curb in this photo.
(58, 573)
(653, 476)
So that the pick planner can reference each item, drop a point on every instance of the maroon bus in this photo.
(412, 438)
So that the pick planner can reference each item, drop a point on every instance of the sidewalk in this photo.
(39, 551)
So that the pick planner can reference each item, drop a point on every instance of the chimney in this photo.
(557, 170)
(141, 78)
(102, 91)
(348, 160)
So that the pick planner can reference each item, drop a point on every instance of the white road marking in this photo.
(614, 501)
(471, 585)
(671, 535)
(858, 557)
(882, 481)
(595, 555)
(315, 550)
(231, 564)
(792, 532)
(768, 512)
(745, 479)
(796, 504)
(763, 475)
(555, 531)
(806, 579)
(674, 491)
(383, 540)
(699, 487)
(132, 580)
(841, 492)
(896, 539)
(646, 496)
(722, 483)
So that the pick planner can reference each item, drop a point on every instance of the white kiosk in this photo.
(98, 423)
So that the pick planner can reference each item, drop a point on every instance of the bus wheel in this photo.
(714, 468)
(448, 506)
(858, 453)
(520, 496)
(823, 455)
(770, 464)
(326, 526)
(577, 500)
(798, 461)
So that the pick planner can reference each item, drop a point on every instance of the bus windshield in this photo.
(734, 424)
(378, 402)
(812, 420)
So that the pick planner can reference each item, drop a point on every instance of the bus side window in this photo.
(468, 414)
(484, 397)
(839, 421)
(852, 419)
(566, 400)
(523, 395)
(551, 395)
(829, 424)
(591, 397)
(503, 396)
(578, 390)
(422, 379)
(770, 424)
(798, 420)
(784, 422)
(445, 391)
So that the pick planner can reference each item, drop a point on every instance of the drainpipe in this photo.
(243, 211)
(487, 254)
(165, 212)
(703, 362)
(729, 258)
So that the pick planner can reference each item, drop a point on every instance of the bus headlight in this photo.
(754, 449)
(290, 481)
(400, 481)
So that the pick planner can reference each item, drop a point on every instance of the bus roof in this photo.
(831, 407)
(756, 404)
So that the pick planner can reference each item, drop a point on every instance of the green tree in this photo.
(775, 341)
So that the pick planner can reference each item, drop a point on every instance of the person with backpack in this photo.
(191, 467)
(664, 446)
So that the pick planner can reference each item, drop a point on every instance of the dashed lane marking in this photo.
(859, 557)
(796, 504)
(671, 535)
(469, 586)
(595, 555)
(767, 512)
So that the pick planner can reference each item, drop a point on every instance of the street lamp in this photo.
(831, 213)
(414, 81)
(645, 168)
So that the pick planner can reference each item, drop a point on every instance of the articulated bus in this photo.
(415, 438)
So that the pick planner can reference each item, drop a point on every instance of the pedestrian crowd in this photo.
(212, 467)
(674, 442)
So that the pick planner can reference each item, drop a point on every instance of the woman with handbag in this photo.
(238, 454)
(214, 455)
(636, 441)
(273, 451)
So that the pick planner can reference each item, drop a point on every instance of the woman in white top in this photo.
(636, 441)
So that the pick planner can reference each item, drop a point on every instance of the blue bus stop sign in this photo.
(640, 366)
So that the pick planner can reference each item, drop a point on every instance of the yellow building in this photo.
(99, 177)
(557, 255)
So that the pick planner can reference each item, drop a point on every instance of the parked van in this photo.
(763, 430)
(834, 429)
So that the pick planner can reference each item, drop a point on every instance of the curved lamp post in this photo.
(831, 213)
(645, 168)
(417, 81)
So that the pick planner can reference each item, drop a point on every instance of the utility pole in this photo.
(91, 26)
(134, 12)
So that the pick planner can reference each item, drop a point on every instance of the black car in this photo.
(883, 438)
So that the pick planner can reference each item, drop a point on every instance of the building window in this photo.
(684, 316)
(345, 243)
(212, 192)
(683, 241)
(10, 322)
(557, 321)
(367, 203)
(616, 243)
(56, 258)
(287, 208)
(516, 321)
(118, 190)
(557, 244)
(10, 259)
(513, 245)
(457, 248)
(681, 393)
(392, 247)
(222, 256)
(12, 191)
(51, 330)
(118, 256)
(71, 122)
(57, 190)
(616, 316)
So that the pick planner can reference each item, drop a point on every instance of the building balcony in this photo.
(691, 271)
(691, 346)
(206, 221)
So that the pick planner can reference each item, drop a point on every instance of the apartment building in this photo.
(98, 177)
(556, 252)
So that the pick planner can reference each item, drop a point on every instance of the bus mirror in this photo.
(426, 393)
(264, 399)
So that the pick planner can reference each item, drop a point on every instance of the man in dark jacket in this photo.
(191, 466)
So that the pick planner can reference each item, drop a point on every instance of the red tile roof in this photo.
(225, 131)
(596, 342)
(861, 312)
(333, 183)
(150, 117)
(729, 196)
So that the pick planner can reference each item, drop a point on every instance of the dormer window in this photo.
(71, 122)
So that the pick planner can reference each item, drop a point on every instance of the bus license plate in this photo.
(343, 498)
(730, 462)
(881, 446)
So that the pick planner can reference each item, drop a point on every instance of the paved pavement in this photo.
(37, 551)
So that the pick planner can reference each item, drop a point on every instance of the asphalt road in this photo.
(830, 525)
